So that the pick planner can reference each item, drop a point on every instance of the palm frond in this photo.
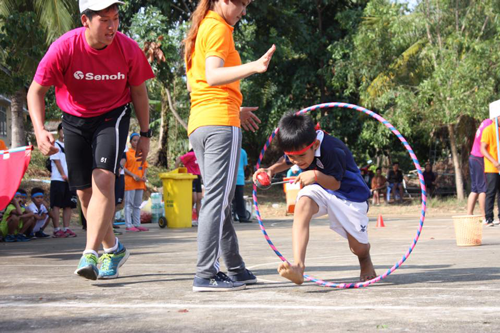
(55, 17)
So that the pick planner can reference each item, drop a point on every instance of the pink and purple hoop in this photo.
(422, 187)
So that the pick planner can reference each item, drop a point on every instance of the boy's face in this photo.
(133, 141)
(305, 159)
(37, 200)
(395, 167)
(17, 197)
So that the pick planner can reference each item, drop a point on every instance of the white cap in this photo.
(96, 5)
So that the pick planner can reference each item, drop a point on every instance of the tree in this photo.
(26, 30)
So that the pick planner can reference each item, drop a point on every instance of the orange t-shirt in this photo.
(490, 138)
(136, 168)
(2, 145)
(217, 105)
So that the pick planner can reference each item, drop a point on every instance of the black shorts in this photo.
(197, 184)
(61, 196)
(94, 143)
(119, 189)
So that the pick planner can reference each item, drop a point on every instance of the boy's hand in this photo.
(268, 171)
(306, 178)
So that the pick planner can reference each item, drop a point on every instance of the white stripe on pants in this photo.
(133, 200)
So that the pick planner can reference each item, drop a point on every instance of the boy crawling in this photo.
(332, 185)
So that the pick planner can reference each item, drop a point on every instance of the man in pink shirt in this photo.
(97, 71)
(476, 169)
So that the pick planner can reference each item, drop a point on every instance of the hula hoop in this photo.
(422, 187)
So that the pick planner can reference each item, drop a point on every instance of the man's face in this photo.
(103, 27)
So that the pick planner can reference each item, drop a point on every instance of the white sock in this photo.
(57, 229)
(114, 248)
(64, 229)
(90, 252)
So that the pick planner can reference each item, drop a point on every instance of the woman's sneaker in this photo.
(220, 282)
(87, 267)
(142, 228)
(245, 277)
(59, 234)
(133, 229)
(110, 262)
(69, 233)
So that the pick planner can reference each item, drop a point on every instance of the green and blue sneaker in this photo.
(110, 262)
(87, 267)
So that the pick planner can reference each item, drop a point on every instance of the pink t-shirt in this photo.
(91, 82)
(476, 147)
(190, 162)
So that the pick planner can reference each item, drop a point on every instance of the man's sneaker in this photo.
(87, 267)
(220, 282)
(133, 229)
(59, 234)
(41, 234)
(22, 238)
(194, 223)
(110, 262)
(496, 222)
(142, 228)
(69, 233)
(245, 277)
(10, 238)
(488, 223)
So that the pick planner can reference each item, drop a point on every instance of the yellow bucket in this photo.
(178, 197)
(468, 230)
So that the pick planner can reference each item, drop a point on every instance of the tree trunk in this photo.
(163, 151)
(459, 182)
(18, 136)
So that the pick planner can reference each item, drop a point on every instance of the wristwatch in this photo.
(147, 134)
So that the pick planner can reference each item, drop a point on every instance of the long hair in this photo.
(198, 15)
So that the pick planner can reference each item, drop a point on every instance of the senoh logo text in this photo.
(79, 75)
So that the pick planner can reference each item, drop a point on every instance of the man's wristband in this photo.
(147, 134)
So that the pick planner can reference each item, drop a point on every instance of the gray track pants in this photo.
(217, 149)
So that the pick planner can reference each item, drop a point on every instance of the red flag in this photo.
(13, 165)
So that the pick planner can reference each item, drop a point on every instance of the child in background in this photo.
(332, 185)
(16, 220)
(41, 214)
(191, 164)
(294, 171)
(135, 184)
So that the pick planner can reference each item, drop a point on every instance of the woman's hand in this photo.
(249, 121)
(262, 64)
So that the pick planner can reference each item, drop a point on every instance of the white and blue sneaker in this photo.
(110, 262)
(87, 267)
(220, 282)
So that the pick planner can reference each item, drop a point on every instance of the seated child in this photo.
(16, 220)
(41, 214)
(332, 185)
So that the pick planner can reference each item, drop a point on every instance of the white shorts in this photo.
(345, 216)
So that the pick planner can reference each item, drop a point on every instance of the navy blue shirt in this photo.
(333, 158)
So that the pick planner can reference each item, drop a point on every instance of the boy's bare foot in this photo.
(367, 269)
(293, 273)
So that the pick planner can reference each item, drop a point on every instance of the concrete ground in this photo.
(440, 288)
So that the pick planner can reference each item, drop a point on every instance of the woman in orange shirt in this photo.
(214, 71)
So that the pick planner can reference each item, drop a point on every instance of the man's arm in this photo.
(36, 107)
(140, 99)
(484, 151)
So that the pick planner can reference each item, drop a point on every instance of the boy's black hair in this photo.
(395, 163)
(90, 13)
(295, 131)
(22, 191)
(37, 190)
(379, 168)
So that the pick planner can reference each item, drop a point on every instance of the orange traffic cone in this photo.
(380, 222)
